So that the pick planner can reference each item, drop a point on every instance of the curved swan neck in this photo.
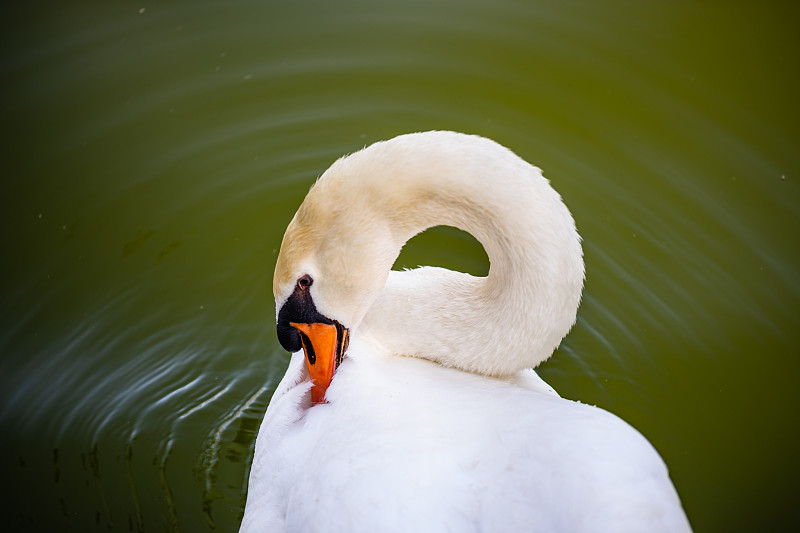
(535, 279)
(348, 233)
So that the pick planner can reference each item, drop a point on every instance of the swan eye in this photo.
(304, 282)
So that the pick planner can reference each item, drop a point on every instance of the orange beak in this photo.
(324, 346)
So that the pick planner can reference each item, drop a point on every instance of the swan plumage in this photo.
(435, 419)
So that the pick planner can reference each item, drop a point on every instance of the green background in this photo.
(154, 153)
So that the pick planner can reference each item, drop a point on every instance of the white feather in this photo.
(435, 420)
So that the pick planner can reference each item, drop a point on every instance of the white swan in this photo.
(435, 420)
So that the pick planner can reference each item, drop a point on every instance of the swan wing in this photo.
(392, 452)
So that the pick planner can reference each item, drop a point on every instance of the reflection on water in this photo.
(157, 153)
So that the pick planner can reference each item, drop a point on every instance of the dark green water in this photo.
(153, 155)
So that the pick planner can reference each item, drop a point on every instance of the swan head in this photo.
(333, 263)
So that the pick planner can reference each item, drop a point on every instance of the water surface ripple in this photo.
(156, 154)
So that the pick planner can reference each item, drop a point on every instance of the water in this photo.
(155, 153)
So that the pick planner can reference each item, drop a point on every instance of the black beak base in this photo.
(298, 308)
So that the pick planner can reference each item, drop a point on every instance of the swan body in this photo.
(434, 419)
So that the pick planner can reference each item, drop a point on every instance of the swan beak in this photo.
(324, 346)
